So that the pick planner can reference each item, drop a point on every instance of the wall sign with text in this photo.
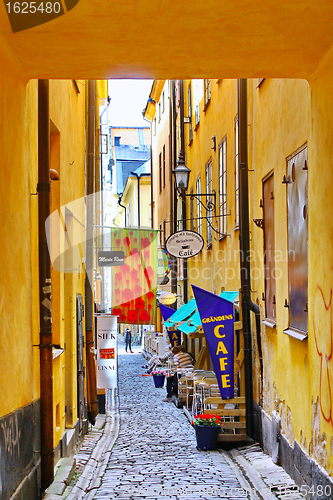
(184, 244)
(106, 352)
(108, 259)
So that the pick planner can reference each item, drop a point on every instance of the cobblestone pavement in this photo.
(155, 455)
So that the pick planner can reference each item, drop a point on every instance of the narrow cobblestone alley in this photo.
(155, 455)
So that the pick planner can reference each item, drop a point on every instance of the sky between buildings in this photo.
(128, 100)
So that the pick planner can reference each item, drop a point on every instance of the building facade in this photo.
(293, 334)
(43, 322)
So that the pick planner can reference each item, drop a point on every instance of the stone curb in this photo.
(270, 481)
(250, 474)
(65, 470)
(242, 478)
(91, 476)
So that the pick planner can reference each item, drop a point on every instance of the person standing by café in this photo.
(181, 359)
(128, 339)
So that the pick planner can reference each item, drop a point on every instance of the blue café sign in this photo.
(174, 335)
(217, 317)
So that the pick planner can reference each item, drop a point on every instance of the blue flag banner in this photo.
(217, 318)
(166, 312)
(175, 335)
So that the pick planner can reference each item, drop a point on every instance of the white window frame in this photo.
(223, 187)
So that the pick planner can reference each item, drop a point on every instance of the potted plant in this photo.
(207, 428)
(158, 377)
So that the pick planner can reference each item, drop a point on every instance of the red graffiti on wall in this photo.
(323, 335)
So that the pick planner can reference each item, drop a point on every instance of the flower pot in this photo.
(158, 380)
(206, 436)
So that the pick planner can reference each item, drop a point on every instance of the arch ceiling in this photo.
(174, 39)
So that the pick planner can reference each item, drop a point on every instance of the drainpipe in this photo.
(183, 198)
(122, 206)
(45, 320)
(138, 196)
(151, 178)
(92, 387)
(244, 237)
(173, 153)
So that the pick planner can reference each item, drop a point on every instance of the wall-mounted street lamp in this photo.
(181, 173)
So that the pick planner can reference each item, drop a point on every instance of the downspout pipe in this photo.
(138, 177)
(122, 206)
(183, 198)
(244, 238)
(92, 386)
(45, 320)
(173, 152)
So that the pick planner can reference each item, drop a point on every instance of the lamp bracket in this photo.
(211, 205)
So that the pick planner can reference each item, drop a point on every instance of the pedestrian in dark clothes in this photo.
(128, 339)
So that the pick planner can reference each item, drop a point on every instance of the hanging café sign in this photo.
(184, 244)
(217, 317)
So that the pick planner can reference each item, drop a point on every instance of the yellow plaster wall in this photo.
(160, 139)
(243, 39)
(279, 123)
(19, 313)
(145, 202)
(216, 267)
(67, 115)
(130, 199)
(320, 363)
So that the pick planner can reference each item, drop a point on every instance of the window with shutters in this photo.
(198, 190)
(223, 187)
(209, 188)
(236, 173)
(297, 204)
(192, 211)
(269, 249)
(207, 91)
(163, 164)
(190, 112)
(160, 171)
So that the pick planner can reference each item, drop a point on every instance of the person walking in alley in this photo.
(181, 360)
(128, 339)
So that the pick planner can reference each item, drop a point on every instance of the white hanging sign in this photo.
(184, 244)
(106, 352)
